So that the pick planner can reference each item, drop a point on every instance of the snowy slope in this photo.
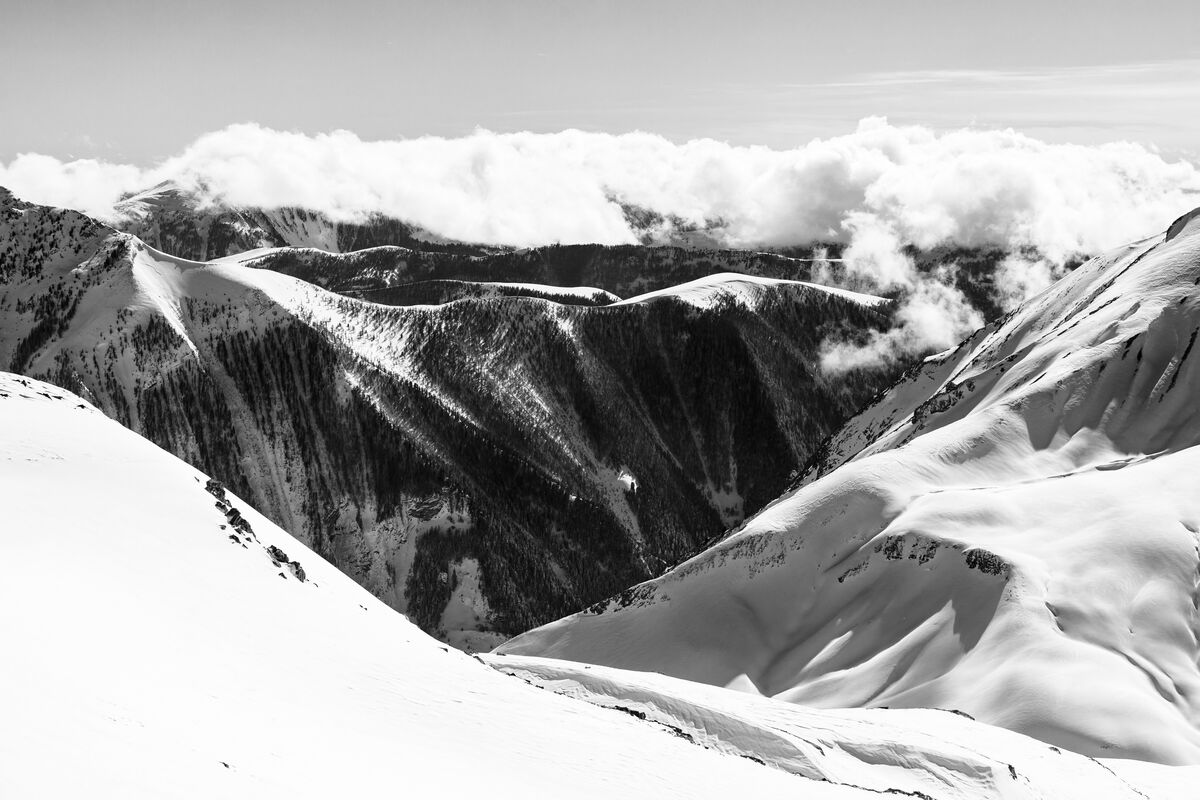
(356, 277)
(153, 650)
(165, 640)
(1011, 531)
(624, 270)
(924, 753)
(748, 290)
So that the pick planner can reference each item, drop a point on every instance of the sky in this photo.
(136, 81)
(1052, 130)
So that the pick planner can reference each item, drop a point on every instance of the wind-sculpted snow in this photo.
(1011, 531)
(1183, 224)
(163, 639)
(500, 452)
(919, 753)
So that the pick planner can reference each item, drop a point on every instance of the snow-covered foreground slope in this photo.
(153, 649)
(919, 752)
(1012, 531)
(162, 639)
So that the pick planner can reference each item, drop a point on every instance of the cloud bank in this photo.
(873, 190)
(967, 187)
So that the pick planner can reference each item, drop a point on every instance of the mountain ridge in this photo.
(1009, 530)
(487, 463)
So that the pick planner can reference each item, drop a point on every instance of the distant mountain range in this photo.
(379, 251)
(484, 457)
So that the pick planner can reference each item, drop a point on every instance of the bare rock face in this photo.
(280, 558)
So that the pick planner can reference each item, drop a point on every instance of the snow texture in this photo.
(155, 649)
(157, 645)
(1013, 530)
(747, 290)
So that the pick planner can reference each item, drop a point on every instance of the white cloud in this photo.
(875, 256)
(932, 317)
(86, 185)
(874, 191)
(932, 314)
(1019, 277)
(967, 187)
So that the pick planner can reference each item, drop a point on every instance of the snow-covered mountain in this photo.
(380, 254)
(623, 270)
(163, 639)
(484, 465)
(1011, 531)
